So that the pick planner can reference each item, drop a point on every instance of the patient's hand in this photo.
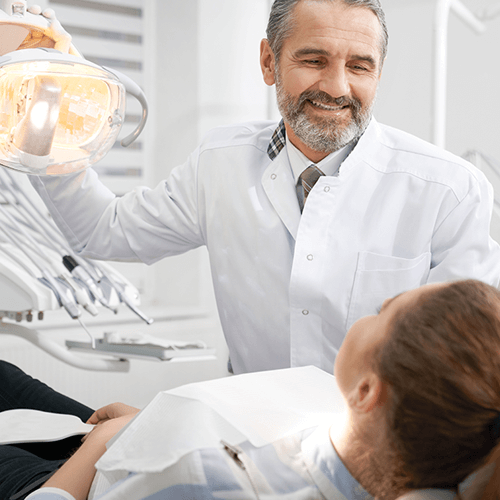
(77, 474)
(103, 432)
(109, 412)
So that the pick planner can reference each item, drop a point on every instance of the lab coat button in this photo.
(305, 312)
(310, 257)
(273, 176)
(327, 188)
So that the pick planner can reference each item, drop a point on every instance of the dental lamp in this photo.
(59, 113)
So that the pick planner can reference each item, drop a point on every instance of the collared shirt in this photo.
(400, 213)
(329, 165)
(298, 161)
(328, 471)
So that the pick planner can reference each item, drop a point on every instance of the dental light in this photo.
(60, 113)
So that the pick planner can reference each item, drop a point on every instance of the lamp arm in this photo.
(443, 8)
(133, 89)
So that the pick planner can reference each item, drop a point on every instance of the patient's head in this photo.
(427, 373)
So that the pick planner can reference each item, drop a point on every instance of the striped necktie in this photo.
(307, 179)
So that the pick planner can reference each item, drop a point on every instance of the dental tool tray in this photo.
(147, 347)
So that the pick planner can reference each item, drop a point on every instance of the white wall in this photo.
(405, 92)
(405, 96)
(231, 88)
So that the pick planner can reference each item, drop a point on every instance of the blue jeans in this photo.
(24, 467)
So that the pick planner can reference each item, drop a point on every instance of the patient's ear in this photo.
(370, 392)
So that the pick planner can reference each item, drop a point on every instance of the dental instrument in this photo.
(116, 291)
(35, 277)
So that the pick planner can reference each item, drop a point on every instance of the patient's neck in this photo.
(369, 460)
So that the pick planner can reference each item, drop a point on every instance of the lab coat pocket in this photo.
(379, 277)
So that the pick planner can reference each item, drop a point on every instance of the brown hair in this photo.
(441, 361)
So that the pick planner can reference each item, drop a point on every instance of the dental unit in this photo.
(59, 114)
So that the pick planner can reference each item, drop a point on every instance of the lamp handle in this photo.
(133, 89)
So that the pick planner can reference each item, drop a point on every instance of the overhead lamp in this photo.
(60, 113)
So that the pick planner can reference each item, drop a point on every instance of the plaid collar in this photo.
(278, 141)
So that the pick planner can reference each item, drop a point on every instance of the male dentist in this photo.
(309, 223)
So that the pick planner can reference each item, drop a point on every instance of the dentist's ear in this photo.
(267, 62)
(382, 64)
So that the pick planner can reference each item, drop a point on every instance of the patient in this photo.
(421, 381)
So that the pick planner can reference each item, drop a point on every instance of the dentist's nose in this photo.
(336, 84)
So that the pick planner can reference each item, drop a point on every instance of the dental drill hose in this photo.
(78, 272)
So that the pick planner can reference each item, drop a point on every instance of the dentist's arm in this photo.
(142, 225)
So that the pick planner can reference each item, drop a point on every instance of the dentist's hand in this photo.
(55, 32)
(109, 412)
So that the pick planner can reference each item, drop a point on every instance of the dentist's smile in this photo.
(326, 107)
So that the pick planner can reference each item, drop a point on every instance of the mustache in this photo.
(325, 98)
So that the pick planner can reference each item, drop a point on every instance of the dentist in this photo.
(311, 222)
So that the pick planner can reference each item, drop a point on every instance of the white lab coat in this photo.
(400, 213)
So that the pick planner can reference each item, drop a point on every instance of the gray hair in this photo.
(281, 22)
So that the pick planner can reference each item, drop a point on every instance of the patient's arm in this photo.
(114, 410)
(77, 474)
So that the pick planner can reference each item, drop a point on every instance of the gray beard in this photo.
(325, 135)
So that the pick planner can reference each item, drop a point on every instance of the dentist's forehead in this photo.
(325, 22)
